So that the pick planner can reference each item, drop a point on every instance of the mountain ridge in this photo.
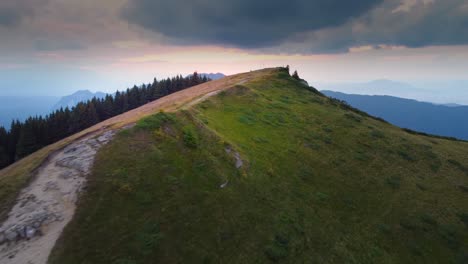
(314, 174)
(409, 113)
(316, 178)
(452, 92)
(70, 101)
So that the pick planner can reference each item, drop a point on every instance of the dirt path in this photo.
(46, 206)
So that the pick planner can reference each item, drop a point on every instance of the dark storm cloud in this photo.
(241, 23)
(420, 24)
(9, 17)
(317, 26)
(12, 12)
(53, 45)
(439, 22)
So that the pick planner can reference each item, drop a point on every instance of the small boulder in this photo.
(11, 235)
(30, 232)
(21, 232)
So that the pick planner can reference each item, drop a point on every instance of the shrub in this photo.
(295, 75)
(155, 121)
(435, 166)
(415, 249)
(248, 120)
(353, 117)
(408, 224)
(149, 237)
(394, 182)
(278, 249)
(377, 134)
(125, 188)
(428, 219)
(322, 196)
(421, 187)
(190, 139)
(285, 99)
(384, 228)
(460, 166)
(406, 156)
(260, 140)
(449, 234)
(463, 188)
(125, 261)
(464, 218)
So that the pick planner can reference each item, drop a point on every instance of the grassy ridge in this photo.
(320, 184)
(18, 175)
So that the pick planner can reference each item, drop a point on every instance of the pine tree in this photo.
(4, 158)
(14, 135)
(195, 79)
(107, 107)
(91, 117)
(296, 76)
(27, 142)
(36, 132)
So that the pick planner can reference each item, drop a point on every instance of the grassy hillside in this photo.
(319, 183)
(18, 175)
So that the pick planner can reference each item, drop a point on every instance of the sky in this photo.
(55, 47)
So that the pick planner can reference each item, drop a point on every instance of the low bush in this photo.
(278, 249)
(377, 134)
(155, 121)
(428, 219)
(406, 156)
(464, 218)
(463, 188)
(460, 166)
(190, 138)
(394, 182)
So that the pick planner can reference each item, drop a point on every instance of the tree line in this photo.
(24, 138)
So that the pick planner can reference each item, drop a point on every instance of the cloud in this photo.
(265, 26)
(54, 45)
(8, 17)
(305, 26)
(241, 23)
(417, 23)
(12, 12)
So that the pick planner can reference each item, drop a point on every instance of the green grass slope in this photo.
(320, 183)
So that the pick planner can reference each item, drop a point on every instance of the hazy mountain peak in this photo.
(212, 76)
(77, 97)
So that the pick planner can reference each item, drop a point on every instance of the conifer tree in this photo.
(27, 142)
(296, 75)
(4, 158)
(23, 138)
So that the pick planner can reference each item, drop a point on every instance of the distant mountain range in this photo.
(22, 107)
(442, 92)
(79, 96)
(445, 120)
(212, 76)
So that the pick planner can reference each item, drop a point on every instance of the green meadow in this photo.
(319, 182)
